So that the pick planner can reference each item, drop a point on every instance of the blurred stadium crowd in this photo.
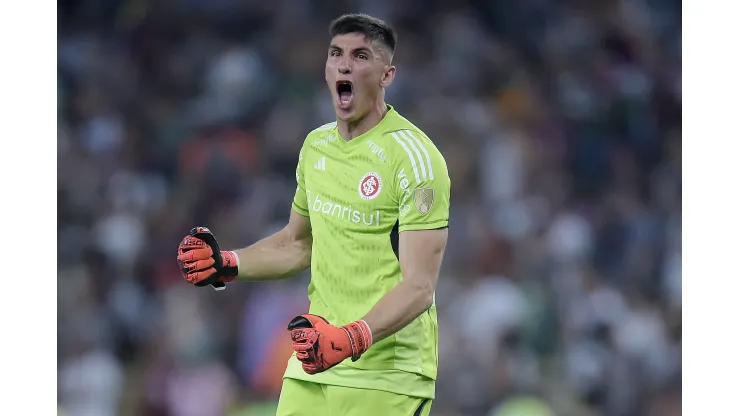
(561, 125)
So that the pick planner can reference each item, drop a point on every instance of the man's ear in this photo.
(388, 76)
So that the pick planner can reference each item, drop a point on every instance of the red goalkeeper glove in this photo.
(320, 345)
(201, 261)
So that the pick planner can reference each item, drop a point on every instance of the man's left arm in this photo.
(423, 194)
(420, 255)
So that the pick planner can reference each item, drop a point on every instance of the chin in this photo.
(348, 115)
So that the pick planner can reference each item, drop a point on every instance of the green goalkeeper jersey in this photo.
(354, 193)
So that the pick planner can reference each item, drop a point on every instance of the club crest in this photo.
(370, 185)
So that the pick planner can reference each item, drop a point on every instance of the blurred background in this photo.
(561, 124)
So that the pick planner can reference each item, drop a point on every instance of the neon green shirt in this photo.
(354, 192)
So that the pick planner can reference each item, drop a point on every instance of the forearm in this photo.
(275, 257)
(398, 308)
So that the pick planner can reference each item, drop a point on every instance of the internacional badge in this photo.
(423, 199)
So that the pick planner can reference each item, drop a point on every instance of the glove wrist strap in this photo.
(360, 337)
(230, 268)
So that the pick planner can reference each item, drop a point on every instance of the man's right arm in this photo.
(280, 255)
(286, 252)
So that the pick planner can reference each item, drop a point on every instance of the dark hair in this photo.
(373, 28)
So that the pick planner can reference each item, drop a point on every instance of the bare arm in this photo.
(420, 255)
(280, 255)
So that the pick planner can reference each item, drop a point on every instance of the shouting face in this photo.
(357, 71)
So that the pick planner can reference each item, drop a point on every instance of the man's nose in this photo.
(345, 67)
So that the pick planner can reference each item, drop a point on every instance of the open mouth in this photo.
(344, 92)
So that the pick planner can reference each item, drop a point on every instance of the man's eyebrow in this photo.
(355, 50)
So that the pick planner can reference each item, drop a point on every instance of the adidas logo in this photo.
(321, 164)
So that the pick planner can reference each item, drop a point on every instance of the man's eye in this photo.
(334, 53)
(361, 56)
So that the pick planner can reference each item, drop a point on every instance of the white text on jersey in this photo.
(325, 140)
(377, 150)
(316, 204)
(403, 183)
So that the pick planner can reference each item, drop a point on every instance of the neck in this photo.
(355, 128)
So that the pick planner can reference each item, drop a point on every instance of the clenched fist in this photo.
(202, 262)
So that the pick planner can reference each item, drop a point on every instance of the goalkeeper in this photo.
(368, 346)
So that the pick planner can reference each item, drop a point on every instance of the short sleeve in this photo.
(300, 201)
(422, 184)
